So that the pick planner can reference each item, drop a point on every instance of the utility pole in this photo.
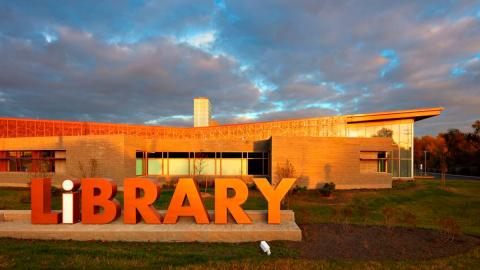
(425, 155)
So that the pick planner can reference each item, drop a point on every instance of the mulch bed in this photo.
(356, 242)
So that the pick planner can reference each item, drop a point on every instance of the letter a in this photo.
(186, 189)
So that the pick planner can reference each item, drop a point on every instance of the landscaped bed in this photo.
(420, 225)
(358, 242)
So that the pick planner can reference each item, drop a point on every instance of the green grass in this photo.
(426, 199)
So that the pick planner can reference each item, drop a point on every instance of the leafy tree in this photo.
(384, 133)
(454, 150)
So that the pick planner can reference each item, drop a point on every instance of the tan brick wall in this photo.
(316, 159)
(107, 150)
(326, 159)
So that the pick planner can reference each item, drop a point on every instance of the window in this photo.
(232, 155)
(29, 161)
(202, 163)
(255, 167)
(232, 166)
(178, 155)
(201, 155)
(382, 162)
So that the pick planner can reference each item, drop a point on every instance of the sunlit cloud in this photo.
(255, 60)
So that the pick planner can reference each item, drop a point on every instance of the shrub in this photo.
(56, 191)
(169, 184)
(363, 211)
(327, 189)
(403, 184)
(389, 216)
(299, 189)
(347, 213)
(450, 228)
(342, 215)
(25, 199)
(251, 186)
(337, 214)
(409, 218)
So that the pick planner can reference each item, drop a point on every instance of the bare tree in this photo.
(88, 170)
(285, 170)
(199, 168)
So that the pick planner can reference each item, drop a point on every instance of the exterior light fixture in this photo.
(265, 247)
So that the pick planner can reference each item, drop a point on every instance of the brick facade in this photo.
(316, 159)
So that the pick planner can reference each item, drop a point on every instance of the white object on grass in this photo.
(265, 247)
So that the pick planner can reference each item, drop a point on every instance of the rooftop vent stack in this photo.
(202, 112)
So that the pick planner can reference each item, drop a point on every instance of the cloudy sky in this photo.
(144, 61)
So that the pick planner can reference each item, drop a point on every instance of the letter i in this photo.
(70, 202)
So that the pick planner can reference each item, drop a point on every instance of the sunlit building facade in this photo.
(353, 151)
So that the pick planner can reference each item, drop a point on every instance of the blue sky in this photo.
(143, 61)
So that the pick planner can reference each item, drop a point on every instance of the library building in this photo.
(352, 151)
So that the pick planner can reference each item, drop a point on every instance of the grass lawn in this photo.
(427, 200)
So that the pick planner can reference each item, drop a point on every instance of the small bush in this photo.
(346, 213)
(251, 186)
(450, 228)
(169, 184)
(299, 189)
(409, 218)
(403, 184)
(56, 191)
(337, 213)
(363, 211)
(389, 216)
(327, 189)
(25, 199)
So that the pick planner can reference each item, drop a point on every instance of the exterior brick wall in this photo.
(108, 151)
(316, 159)
(325, 159)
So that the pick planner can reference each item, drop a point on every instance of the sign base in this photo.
(16, 224)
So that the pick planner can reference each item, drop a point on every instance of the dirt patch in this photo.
(356, 242)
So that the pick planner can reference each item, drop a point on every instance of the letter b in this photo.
(98, 193)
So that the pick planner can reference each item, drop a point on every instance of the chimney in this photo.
(202, 112)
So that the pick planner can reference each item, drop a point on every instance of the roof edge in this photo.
(415, 114)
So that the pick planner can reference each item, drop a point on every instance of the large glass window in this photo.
(29, 161)
(178, 166)
(232, 166)
(402, 135)
(155, 166)
(204, 166)
(202, 163)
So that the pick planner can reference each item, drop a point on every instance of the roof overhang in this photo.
(416, 115)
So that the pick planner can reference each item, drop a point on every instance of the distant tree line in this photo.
(453, 152)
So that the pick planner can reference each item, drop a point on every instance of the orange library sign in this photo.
(91, 201)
